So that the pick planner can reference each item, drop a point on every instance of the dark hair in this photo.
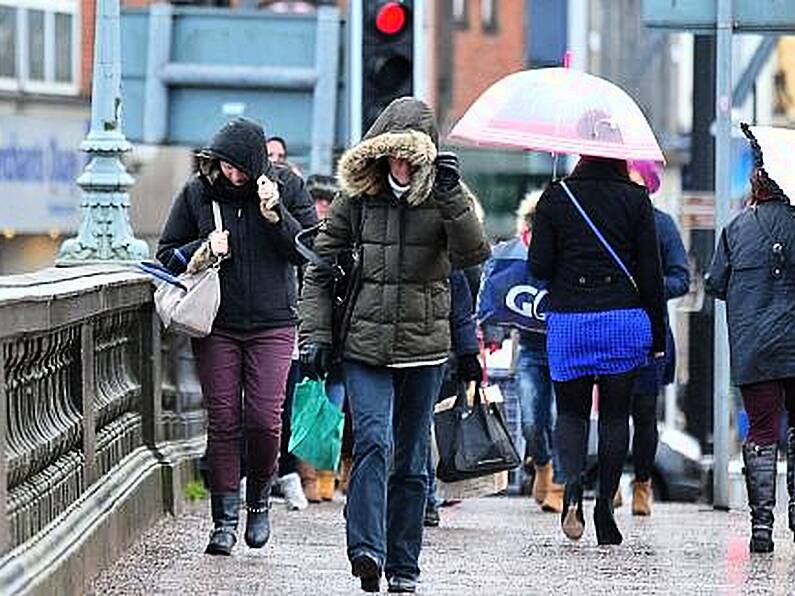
(763, 187)
(321, 187)
(279, 140)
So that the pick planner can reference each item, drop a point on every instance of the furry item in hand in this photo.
(201, 259)
(268, 199)
(270, 210)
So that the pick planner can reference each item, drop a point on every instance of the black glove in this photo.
(315, 360)
(469, 368)
(448, 173)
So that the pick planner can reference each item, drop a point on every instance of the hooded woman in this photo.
(416, 221)
(262, 208)
(594, 238)
(754, 272)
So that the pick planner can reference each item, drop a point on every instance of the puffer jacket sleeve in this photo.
(297, 213)
(716, 281)
(466, 238)
(649, 274)
(674, 258)
(542, 257)
(335, 235)
(180, 237)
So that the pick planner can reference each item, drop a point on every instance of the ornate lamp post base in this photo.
(105, 234)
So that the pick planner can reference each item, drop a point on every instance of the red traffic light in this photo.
(391, 18)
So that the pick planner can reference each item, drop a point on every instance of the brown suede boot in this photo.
(543, 479)
(309, 481)
(345, 474)
(553, 503)
(618, 498)
(641, 498)
(325, 484)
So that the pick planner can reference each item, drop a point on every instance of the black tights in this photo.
(574, 409)
(644, 437)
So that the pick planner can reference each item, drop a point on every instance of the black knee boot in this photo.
(760, 481)
(791, 476)
(607, 531)
(258, 524)
(225, 508)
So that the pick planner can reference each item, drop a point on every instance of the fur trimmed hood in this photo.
(405, 129)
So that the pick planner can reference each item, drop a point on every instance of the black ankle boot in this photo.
(791, 477)
(258, 524)
(225, 508)
(760, 482)
(607, 531)
(572, 520)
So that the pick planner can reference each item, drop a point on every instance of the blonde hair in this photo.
(526, 211)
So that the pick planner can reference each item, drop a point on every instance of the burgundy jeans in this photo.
(763, 403)
(243, 377)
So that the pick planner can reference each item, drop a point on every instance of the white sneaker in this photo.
(294, 497)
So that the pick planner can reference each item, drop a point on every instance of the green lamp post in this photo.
(105, 234)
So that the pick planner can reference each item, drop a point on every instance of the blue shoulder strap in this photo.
(599, 235)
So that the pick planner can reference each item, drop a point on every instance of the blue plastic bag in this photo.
(509, 296)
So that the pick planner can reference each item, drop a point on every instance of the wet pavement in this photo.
(497, 545)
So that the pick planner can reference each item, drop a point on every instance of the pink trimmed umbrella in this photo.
(559, 110)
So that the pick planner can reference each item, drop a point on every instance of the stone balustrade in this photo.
(97, 412)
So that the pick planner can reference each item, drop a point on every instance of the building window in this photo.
(488, 15)
(39, 46)
(460, 13)
(8, 42)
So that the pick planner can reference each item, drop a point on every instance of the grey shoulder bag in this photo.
(191, 307)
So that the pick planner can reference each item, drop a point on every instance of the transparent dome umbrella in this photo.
(559, 110)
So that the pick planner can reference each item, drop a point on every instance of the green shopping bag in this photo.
(316, 433)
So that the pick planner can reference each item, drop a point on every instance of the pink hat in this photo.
(650, 171)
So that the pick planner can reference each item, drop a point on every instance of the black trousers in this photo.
(574, 408)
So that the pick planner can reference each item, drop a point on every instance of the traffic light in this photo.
(387, 55)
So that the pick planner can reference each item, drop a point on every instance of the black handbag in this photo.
(345, 273)
(473, 442)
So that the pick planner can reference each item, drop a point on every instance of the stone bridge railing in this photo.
(99, 421)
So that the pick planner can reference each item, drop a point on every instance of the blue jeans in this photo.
(430, 493)
(391, 411)
(537, 403)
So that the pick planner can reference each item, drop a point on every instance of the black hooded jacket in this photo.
(258, 283)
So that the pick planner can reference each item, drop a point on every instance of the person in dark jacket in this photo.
(754, 272)
(417, 223)
(602, 325)
(262, 208)
(657, 374)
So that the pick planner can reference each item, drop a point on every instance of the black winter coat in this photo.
(758, 286)
(258, 283)
(583, 276)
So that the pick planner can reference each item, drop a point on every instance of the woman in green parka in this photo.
(417, 221)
